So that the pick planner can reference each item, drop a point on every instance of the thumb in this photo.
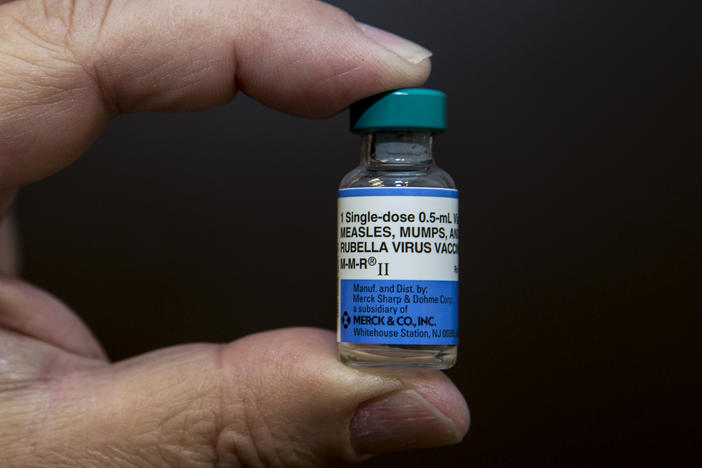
(68, 67)
(279, 398)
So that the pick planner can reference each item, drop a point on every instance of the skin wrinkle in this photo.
(50, 85)
(187, 410)
(291, 368)
(188, 80)
(258, 426)
(132, 459)
(126, 101)
(34, 403)
(338, 76)
(92, 66)
(54, 389)
(90, 63)
(185, 420)
(19, 58)
(251, 435)
(28, 34)
(229, 436)
(45, 9)
(71, 16)
(106, 94)
(48, 36)
(221, 391)
(54, 102)
(103, 18)
(65, 12)
(110, 105)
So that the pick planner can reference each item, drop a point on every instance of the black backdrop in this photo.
(574, 138)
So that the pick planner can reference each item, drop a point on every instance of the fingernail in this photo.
(400, 421)
(408, 50)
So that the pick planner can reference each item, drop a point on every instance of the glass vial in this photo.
(397, 238)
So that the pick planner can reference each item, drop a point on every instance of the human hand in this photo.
(275, 398)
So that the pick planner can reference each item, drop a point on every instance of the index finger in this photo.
(67, 67)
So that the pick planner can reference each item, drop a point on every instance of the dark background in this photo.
(574, 138)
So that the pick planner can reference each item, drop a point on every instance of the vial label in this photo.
(397, 252)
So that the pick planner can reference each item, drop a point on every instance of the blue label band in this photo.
(398, 192)
(399, 312)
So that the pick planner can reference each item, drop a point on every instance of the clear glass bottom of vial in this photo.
(368, 355)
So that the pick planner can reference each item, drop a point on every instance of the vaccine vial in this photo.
(397, 243)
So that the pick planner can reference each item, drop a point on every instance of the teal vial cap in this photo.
(402, 109)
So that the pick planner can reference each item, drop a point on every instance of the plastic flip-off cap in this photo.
(402, 109)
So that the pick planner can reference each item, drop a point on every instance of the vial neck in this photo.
(397, 149)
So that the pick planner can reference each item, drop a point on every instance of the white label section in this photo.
(398, 233)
